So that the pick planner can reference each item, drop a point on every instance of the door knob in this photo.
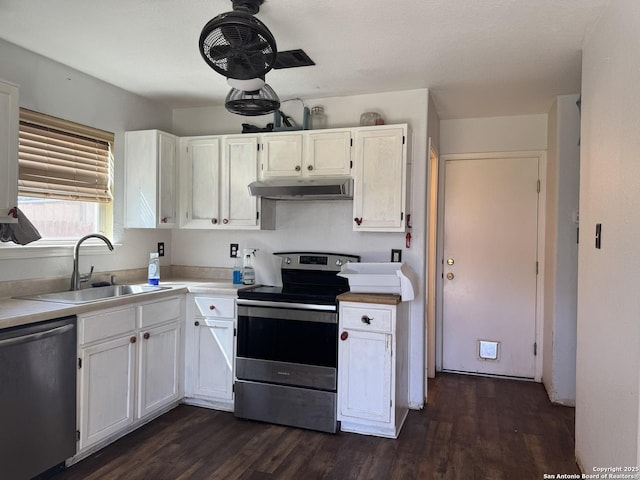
(450, 276)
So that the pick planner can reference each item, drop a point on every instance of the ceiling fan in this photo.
(240, 47)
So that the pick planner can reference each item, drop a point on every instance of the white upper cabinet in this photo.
(327, 153)
(239, 169)
(380, 178)
(215, 174)
(9, 118)
(281, 155)
(322, 153)
(200, 187)
(151, 188)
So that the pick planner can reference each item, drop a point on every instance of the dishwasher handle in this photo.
(32, 337)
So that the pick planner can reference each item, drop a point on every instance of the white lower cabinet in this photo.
(210, 342)
(127, 357)
(372, 365)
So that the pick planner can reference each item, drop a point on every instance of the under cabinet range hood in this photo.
(303, 189)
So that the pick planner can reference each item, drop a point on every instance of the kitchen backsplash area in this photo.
(14, 288)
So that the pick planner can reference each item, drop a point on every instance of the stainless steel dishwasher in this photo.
(37, 397)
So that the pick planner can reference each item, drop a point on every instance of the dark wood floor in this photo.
(472, 428)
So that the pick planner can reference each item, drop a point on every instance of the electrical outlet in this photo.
(233, 250)
(161, 249)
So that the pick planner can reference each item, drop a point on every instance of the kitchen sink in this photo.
(93, 294)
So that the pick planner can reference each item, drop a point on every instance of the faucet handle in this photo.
(86, 276)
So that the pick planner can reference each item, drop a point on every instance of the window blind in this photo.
(63, 160)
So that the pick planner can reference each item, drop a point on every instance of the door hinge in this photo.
(350, 164)
(257, 215)
(537, 268)
(235, 332)
(403, 137)
(535, 349)
(538, 186)
(258, 146)
(78, 435)
(79, 363)
(351, 142)
(233, 388)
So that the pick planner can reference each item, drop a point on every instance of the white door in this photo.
(158, 379)
(106, 389)
(204, 177)
(490, 254)
(239, 169)
(213, 376)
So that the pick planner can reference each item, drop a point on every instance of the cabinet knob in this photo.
(225, 221)
(309, 167)
(146, 335)
(163, 220)
(196, 323)
(344, 336)
(358, 220)
(366, 319)
(214, 220)
(212, 307)
(297, 168)
(132, 340)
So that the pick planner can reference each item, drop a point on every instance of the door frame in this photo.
(439, 280)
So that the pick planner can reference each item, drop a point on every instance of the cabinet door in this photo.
(167, 180)
(239, 169)
(213, 368)
(380, 166)
(9, 118)
(159, 366)
(327, 153)
(106, 389)
(203, 182)
(364, 376)
(150, 179)
(281, 155)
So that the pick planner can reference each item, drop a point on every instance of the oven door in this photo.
(287, 346)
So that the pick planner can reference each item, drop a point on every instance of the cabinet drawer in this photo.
(159, 312)
(106, 325)
(218, 307)
(356, 318)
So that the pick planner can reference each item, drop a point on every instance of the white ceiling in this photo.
(478, 57)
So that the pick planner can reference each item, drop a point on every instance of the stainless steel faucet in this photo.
(76, 278)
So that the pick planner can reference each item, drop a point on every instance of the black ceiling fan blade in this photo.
(218, 53)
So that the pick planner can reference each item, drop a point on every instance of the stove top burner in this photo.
(318, 296)
(308, 278)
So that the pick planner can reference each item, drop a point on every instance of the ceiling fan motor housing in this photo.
(250, 6)
(238, 45)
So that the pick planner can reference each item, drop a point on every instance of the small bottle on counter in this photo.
(248, 273)
(154, 268)
(237, 272)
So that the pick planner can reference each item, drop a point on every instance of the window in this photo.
(65, 177)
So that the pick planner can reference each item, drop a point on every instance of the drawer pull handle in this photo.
(344, 336)
(366, 319)
(196, 323)
(212, 307)
(146, 335)
(132, 340)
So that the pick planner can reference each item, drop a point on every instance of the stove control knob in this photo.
(287, 260)
(339, 263)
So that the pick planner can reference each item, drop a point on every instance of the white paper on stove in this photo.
(267, 268)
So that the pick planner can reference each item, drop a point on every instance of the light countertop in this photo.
(15, 312)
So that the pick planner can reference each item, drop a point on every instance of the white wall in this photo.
(54, 89)
(561, 250)
(325, 225)
(608, 351)
(493, 134)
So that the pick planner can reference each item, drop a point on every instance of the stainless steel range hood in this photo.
(325, 188)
